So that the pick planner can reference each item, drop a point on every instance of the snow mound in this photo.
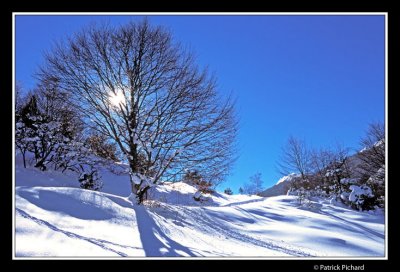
(180, 193)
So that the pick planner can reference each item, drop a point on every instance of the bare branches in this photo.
(167, 113)
(254, 185)
(295, 158)
(373, 153)
(332, 172)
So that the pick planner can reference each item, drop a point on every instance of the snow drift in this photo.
(54, 217)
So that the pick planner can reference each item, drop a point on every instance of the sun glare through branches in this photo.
(117, 98)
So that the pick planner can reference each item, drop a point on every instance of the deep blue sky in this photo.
(320, 78)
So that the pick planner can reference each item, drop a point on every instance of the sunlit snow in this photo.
(54, 217)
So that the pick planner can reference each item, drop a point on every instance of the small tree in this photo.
(32, 132)
(228, 191)
(254, 186)
(295, 158)
(337, 170)
(320, 161)
(241, 191)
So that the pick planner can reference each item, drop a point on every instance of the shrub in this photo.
(228, 191)
(195, 179)
(90, 180)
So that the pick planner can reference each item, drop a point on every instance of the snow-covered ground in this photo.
(54, 217)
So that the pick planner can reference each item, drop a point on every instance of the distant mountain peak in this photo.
(281, 187)
(288, 177)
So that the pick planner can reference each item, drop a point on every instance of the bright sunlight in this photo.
(116, 99)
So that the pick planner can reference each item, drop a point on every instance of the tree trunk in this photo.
(23, 158)
(140, 196)
(134, 187)
(40, 165)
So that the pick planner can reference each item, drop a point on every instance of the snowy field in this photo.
(54, 217)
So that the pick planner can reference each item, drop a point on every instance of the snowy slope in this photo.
(56, 218)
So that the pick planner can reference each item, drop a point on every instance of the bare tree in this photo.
(337, 169)
(136, 86)
(295, 158)
(373, 154)
(372, 166)
(320, 161)
(254, 186)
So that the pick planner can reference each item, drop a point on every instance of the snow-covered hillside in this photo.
(54, 217)
(281, 187)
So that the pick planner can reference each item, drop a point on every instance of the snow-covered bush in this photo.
(302, 188)
(377, 184)
(361, 197)
(291, 192)
(197, 196)
(303, 195)
(349, 181)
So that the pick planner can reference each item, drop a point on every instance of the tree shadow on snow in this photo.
(68, 204)
(243, 202)
(155, 242)
(355, 225)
